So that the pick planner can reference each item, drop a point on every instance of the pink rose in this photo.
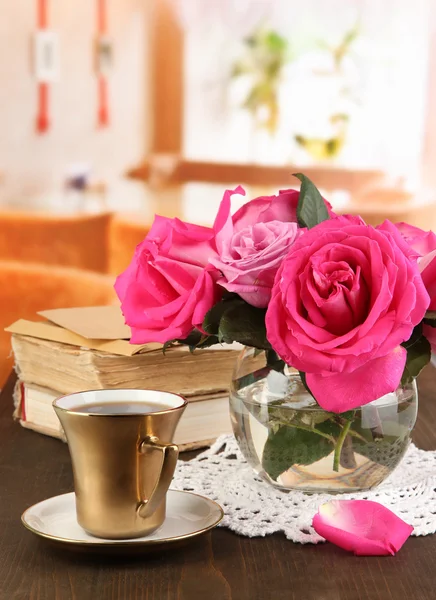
(169, 286)
(424, 244)
(428, 267)
(345, 297)
(252, 244)
(421, 241)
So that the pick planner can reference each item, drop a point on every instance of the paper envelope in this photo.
(97, 327)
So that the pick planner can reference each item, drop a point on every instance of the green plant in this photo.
(266, 54)
(321, 148)
(343, 48)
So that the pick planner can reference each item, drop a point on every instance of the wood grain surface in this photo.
(217, 566)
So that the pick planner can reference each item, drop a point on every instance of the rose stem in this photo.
(348, 460)
(328, 437)
(339, 444)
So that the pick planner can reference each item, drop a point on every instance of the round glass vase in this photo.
(292, 443)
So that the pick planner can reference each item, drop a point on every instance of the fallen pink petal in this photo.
(361, 526)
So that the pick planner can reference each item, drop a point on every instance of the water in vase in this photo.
(294, 444)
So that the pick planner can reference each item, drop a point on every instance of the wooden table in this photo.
(217, 566)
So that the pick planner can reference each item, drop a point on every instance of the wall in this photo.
(32, 165)
(429, 174)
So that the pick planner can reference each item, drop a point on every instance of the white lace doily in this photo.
(254, 508)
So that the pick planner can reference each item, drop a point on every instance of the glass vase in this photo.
(292, 443)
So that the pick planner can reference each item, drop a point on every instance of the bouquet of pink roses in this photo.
(347, 304)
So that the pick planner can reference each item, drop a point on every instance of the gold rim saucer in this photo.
(175, 529)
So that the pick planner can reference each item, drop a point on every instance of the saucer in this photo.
(187, 516)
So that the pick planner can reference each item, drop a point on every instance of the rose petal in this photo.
(223, 225)
(339, 392)
(258, 296)
(421, 241)
(361, 526)
(428, 275)
(268, 208)
(425, 261)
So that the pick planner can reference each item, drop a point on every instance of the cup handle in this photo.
(170, 454)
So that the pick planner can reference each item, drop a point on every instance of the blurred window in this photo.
(324, 81)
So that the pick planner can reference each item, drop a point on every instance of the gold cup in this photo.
(123, 462)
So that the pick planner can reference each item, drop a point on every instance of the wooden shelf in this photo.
(168, 169)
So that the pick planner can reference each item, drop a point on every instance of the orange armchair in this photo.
(26, 288)
(71, 241)
(124, 235)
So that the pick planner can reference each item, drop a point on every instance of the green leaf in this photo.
(275, 42)
(245, 381)
(348, 415)
(414, 338)
(273, 361)
(329, 426)
(205, 342)
(429, 322)
(168, 344)
(418, 355)
(234, 320)
(195, 340)
(213, 317)
(351, 35)
(192, 339)
(245, 324)
(311, 209)
(282, 414)
(430, 318)
(290, 446)
(385, 451)
(304, 382)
